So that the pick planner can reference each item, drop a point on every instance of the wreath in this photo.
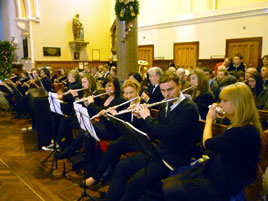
(6, 57)
(126, 10)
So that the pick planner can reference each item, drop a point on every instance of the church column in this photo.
(127, 49)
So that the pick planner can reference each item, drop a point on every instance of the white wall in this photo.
(211, 29)
(9, 25)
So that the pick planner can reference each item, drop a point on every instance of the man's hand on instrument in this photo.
(143, 111)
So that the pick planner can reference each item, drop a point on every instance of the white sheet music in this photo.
(84, 120)
(54, 103)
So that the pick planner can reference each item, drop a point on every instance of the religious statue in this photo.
(15, 44)
(78, 29)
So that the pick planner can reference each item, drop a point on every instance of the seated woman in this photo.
(131, 90)
(104, 129)
(202, 95)
(138, 78)
(235, 156)
(66, 124)
(260, 93)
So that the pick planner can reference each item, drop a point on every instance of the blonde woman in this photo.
(236, 152)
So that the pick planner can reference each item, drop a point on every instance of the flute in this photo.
(149, 105)
(115, 107)
(95, 96)
(218, 110)
(184, 90)
(74, 90)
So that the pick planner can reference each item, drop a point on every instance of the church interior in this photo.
(68, 67)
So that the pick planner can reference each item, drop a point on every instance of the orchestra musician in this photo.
(177, 130)
(45, 79)
(235, 152)
(53, 77)
(154, 93)
(104, 129)
(202, 95)
(131, 90)
(62, 78)
(61, 124)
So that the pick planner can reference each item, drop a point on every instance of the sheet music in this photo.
(54, 103)
(129, 125)
(84, 120)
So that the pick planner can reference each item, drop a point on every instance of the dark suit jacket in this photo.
(178, 132)
(156, 95)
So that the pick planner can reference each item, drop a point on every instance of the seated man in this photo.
(237, 64)
(177, 129)
(154, 94)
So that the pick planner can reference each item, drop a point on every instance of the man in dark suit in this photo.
(177, 130)
(154, 93)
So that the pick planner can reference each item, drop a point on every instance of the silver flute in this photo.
(94, 96)
(67, 92)
(115, 107)
(149, 105)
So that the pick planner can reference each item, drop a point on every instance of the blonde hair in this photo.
(132, 83)
(245, 109)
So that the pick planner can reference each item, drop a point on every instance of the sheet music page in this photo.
(54, 103)
(84, 120)
(129, 125)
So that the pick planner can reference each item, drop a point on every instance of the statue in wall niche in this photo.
(15, 44)
(78, 29)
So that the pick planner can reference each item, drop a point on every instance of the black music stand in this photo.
(54, 105)
(86, 125)
(138, 140)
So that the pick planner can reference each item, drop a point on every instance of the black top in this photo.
(178, 132)
(69, 97)
(203, 101)
(236, 155)
(46, 83)
(240, 67)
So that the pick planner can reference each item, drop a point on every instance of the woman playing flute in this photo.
(235, 151)
(131, 90)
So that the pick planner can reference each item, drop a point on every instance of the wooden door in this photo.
(249, 48)
(186, 54)
(146, 53)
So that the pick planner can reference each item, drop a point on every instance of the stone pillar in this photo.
(127, 51)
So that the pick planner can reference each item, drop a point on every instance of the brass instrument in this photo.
(115, 107)
(94, 96)
(149, 105)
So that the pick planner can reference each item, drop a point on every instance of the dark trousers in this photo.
(112, 156)
(65, 128)
(147, 175)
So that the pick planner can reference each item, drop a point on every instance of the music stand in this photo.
(54, 105)
(138, 139)
(86, 125)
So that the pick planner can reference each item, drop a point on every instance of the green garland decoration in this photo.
(127, 10)
(6, 57)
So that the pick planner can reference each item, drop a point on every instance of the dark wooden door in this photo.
(249, 48)
(186, 54)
